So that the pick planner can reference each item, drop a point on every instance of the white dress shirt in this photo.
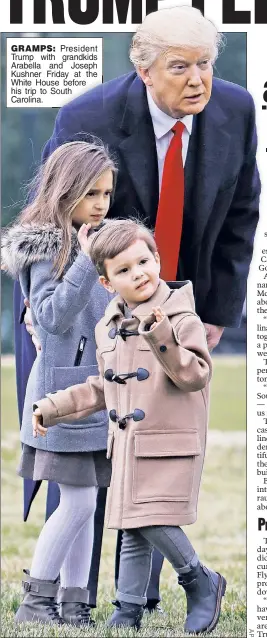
(162, 124)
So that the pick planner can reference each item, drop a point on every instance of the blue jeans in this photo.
(136, 558)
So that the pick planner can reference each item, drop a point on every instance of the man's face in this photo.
(133, 273)
(180, 81)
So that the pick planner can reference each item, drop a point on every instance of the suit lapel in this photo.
(207, 155)
(138, 149)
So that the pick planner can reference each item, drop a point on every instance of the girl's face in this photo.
(94, 206)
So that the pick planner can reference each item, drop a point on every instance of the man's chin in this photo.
(194, 109)
(190, 109)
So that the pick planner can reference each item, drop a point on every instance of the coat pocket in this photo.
(80, 351)
(62, 378)
(164, 465)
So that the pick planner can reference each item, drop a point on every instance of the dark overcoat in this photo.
(221, 181)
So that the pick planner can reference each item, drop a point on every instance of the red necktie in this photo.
(168, 229)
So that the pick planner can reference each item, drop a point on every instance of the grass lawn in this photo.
(218, 535)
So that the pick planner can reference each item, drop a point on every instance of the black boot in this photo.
(204, 591)
(154, 606)
(126, 615)
(74, 606)
(39, 603)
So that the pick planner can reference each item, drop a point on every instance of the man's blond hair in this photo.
(182, 27)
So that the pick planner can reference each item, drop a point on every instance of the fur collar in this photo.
(24, 245)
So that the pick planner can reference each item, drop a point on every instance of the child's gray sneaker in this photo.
(204, 591)
(39, 602)
(74, 606)
(126, 615)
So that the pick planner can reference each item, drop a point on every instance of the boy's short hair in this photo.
(115, 236)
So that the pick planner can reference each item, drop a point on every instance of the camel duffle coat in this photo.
(155, 386)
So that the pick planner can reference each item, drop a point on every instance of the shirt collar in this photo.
(163, 123)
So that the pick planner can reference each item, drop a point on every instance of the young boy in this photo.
(154, 370)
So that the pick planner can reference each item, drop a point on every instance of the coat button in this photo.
(163, 348)
(142, 374)
(138, 415)
(113, 415)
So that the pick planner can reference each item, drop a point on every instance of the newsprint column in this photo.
(257, 375)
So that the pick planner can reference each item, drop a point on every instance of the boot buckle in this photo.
(26, 586)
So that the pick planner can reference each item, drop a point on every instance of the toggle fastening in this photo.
(136, 415)
(123, 332)
(141, 374)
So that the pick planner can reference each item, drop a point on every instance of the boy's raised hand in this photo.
(84, 240)
(37, 426)
(159, 316)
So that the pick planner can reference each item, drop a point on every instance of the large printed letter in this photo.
(57, 11)
(151, 5)
(122, 7)
(198, 4)
(83, 17)
(260, 12)
(231, 16)
(15, 11)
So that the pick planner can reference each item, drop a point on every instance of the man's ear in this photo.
(144, 75)
(157, 259)
(105, 283)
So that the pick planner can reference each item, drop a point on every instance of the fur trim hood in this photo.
(24, 245)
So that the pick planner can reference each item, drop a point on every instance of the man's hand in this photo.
(84, 240)
(214, 334)
(159, 316)
(29, 327)
(37, 424)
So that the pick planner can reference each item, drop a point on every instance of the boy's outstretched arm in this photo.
(76, 402)
(181, 349)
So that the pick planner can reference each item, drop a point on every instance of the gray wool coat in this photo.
(64, 315)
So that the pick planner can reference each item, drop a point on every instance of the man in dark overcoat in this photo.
(173, 52)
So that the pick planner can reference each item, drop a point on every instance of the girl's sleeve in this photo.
(56, 303)
(182, 351)
(76, 402)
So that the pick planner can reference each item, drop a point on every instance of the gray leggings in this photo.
(136, 558)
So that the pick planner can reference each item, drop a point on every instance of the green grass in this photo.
(228, 394)
(218, 535)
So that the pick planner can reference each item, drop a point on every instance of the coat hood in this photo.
(179, 300)
(24, 245)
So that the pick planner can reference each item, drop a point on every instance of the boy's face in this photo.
(133, 273)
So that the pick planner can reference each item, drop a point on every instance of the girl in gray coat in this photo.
(48, 248)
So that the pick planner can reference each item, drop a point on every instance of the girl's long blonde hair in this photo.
(60, 184)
